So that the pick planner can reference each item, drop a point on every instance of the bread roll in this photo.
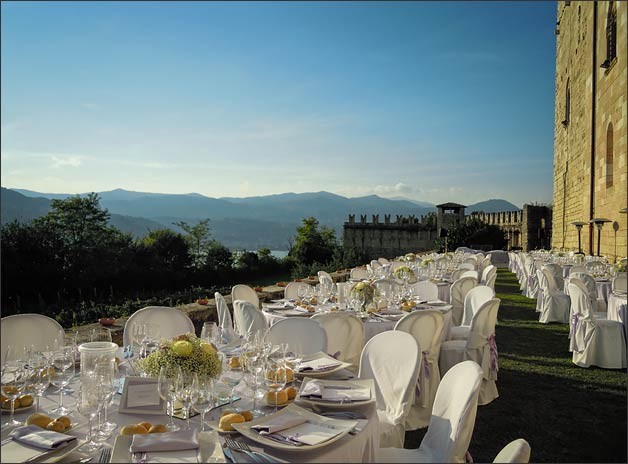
(132, 429)
(66, 421)
(158, 428)
(146, 425)
(276, 398)
(226, 421)
(26, 400)
(291, 392)
(248, 415)
(56, 426)
(39, 419)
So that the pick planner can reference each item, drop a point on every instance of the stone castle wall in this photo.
(590, 103)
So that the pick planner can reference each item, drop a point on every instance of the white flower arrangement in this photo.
(365, 288)
(403, 272)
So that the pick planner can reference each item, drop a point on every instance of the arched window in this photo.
(611, 35)
(565, 120)
(609, 156)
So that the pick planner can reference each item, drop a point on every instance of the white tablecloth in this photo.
(603, 287)
(617, 310)
(351, 448)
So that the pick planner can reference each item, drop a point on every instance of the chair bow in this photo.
(574, 323)
(424, 376)
(335, 355)
(494, 358)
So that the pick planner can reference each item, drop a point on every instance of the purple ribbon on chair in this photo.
(493, 347)
(335, 355)
(574, 324)
(426, 368)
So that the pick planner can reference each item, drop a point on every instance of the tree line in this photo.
(72, 265)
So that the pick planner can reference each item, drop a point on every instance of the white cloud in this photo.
(398, 189)
(60, 162)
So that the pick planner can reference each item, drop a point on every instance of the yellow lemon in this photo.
(182, 348)
(208, 348)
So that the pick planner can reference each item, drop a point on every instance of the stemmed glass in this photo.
(182, 391)
(292, 360)
(109, 374)
(210, 333)
(274, 378)
(38, 375)
(252, 375)
(63, 362)
(100, 335)
(13, 378)
(165, 386)
(201, 396)
(231, 376)
(88, 404)
(303, 292)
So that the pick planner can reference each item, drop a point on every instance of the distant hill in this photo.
(492, 206)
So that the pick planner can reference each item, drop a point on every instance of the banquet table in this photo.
(359, 447)
(603, 286)
(617, 310)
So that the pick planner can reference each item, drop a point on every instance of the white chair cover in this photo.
(225, 322)
(474, 274)
(23, 330)
(452, 422)
(619, 283)
(392, 360)
(291, 292)
(383, 260)
(359, 273)
(485, 272)
(517, 451)
(457, 274)
(303, 336)
(467, 266)
(426, 290)
(475, 298)
(325, 279)
(244, 293)
(577, 268)
(248, 320)
(594, 342)
(459, 290)
(557, 273)
(598, 304)
(387, 286)
(345, 336)
(471, 260)
(473, 303)
(554, 303)
(480, 346)
(490, 281)
(171, 322)
(427, 329)
(532, 283)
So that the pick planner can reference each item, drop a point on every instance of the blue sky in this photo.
(434, 101)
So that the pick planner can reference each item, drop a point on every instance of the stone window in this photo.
(609, 156)
(565, 120)
(611, 36)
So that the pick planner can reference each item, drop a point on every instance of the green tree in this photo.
(473, 233)
(199, 240)
(313, 244)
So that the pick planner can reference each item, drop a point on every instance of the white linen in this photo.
(167, 441)
(345, 336)
(555, 304)
(302, 335)
(34, 435)
(335, 393)
(318, 364)
(171, 322)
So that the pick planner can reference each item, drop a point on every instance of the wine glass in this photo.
(182, 389)
(165, 387)
(88, 404)
(38, 376)
(210, 333)
(201, 396)
(100, 335)
(274, 378)
(231, 377)
(13, 378)
(303, 292)
(63, 363)
(110, 375)
(292, 358)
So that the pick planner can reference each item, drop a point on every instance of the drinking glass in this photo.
(231, 376)
(303, 293)
(110, 376)
(182, 390)
(274, 377)
(100, 335)
(201, 396)
(63, 363)
(165, 386)
(292, 358)
(210, 333)
(38, 376)
(13, 383)
(88, 404)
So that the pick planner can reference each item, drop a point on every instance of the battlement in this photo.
(398, 221)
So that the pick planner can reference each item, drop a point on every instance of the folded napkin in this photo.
(37, 437)
(320, 364)
(167, 441)
(335, 393)
(308, 433)
(277, 424)
(279, 306)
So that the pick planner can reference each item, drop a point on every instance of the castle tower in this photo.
(447, 216)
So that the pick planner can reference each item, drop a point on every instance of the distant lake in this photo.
(279, 254)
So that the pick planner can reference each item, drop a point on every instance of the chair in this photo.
(462, 332)
(325, 279)
(171, 322)
(488, 270)
(245, 293)
(472, 260)
(224, 315)
(554, 304)
(248, 320)
(457, 274)
(358, 273)
(517, 451)
(452, 422)
(291, 292)
(426, 290)
(345, 336)
(557, 273)
(577, 268)
(474, 274)
(383, 260)
(392, 360)
(486, 261)
(598, 304)
(532, 287)
(490, 281)
(476, 297)
(23, 330)
(467, 266)
(480, 347)
(459, 290)
(303, 336)
(594, 342)
(619, 283)
(427, 329)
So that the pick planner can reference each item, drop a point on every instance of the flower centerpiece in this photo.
(426, 262)
(620, 266)
(410, 257)
(186, 351)
(365, 288)
(403, 273)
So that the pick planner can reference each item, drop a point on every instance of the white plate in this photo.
(334, 404)
(316, 374)
(121, 450)
(344, 426)
(437, 303)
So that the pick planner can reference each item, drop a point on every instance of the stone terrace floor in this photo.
(566, 413)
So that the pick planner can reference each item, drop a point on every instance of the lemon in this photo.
(182, 348)
(208, 348)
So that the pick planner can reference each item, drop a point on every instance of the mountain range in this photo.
(250, 223)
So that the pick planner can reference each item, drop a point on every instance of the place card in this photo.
(140, 396)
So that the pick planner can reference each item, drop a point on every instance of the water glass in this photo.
(64, 369)
(210, 333)
(100, 335)
(182, 391)
(165, 387)
(202, 396)
(13, 378)
(274, 377)
(88, 404)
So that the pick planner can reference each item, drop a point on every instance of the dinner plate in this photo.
(121, 450)
(323, 373)
(437, 303)
(344, 383)
(343, 426)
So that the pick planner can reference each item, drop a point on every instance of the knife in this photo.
(228, 454)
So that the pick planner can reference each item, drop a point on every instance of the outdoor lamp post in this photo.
(579, 225)
(599, 222)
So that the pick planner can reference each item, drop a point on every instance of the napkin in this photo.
(336, 393)
(308, 433)
(277, 424)
(320, 364)
(167, 441)
(34, 435)
(279, 306)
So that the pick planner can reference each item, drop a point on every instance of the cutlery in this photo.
(139, 457)
(239, 446)
(228, 454)
(105, 455)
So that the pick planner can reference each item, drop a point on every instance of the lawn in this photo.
(566, 413)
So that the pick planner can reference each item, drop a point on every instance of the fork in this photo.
(240, 446)
(105, 455)
(139, 458)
